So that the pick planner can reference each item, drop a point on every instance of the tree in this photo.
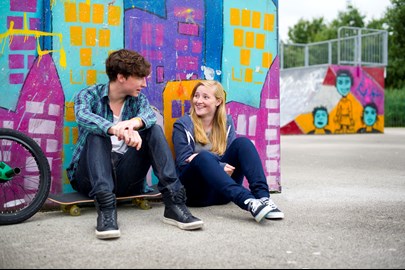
(317, 30)
(395, 19)
(306, 31)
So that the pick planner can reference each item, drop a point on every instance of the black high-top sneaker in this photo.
(177, 214)
(106, 206)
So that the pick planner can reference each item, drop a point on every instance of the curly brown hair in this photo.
(127, 63)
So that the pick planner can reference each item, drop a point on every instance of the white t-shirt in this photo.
(118, 146)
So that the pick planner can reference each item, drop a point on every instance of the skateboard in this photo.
(70, 202)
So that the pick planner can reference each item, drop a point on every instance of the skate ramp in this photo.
(302, 90)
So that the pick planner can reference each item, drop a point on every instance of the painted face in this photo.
(204, 101)
(343, 84)
(369, 116)
(320, 119)
(133, 85)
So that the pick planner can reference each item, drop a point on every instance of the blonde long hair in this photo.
(218, 136)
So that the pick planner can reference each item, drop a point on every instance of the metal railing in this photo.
(354, 46)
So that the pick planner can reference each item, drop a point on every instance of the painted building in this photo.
(53, 49)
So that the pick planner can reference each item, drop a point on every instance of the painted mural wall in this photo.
(51, 49)
(332, 100)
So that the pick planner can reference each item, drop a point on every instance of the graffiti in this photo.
(369, 118)
(11, 32)
(321, 120)
(184, 41)
(345, 93)
(368, 91)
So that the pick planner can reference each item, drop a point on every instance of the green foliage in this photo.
(305, 31)
(377, 24)
(350, 17)
(394, 108)
(317, 30)
(395, 18)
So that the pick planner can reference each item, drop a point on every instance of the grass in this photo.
(394, 107)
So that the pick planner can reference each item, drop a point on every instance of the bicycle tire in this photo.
(24, 193)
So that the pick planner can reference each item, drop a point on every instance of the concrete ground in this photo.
(343, 197)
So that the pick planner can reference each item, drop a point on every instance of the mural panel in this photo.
(53, 49)
(344, 100)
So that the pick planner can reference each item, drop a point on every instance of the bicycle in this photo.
(25, 177)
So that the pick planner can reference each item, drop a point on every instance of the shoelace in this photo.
(108, 217)
(254, 204)
(180, 197)
(269, 202)
(184, 210)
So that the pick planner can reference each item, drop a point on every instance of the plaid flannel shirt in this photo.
(94, 116)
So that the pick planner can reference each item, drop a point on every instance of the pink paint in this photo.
(35, 24)
(16, 78)
(181, 44)
(15, 61)
(146, 37)
(196, 46)
(187, 62)
(18, 22)
(23, 43)
(160, 74)
(270, 91)
(42, 85)
(159, 34)
(188, 29)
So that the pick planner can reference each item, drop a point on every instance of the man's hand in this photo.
(131, 138)
(127, 131)
(131, 124)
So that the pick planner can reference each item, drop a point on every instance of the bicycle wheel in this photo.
(25, 177)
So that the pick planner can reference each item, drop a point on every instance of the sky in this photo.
(290, 11)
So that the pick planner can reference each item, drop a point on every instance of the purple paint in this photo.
(23, 5)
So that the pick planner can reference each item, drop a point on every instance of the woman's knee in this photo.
(205, 156)
(242, 142)
(202, 162)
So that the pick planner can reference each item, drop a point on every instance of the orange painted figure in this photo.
(344, 113)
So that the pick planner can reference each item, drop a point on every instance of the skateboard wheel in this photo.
(74, 211)
(142, 203)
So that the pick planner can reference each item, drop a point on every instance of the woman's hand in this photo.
(190, 158)
(229, 169)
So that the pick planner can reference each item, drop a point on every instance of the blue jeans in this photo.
(100, 169)
(207, 183)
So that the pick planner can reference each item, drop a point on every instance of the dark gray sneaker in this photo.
(257, 208)
(176, 212)
(179, 215)
(107, 226)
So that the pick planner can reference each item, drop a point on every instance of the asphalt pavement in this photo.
(344, 202)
